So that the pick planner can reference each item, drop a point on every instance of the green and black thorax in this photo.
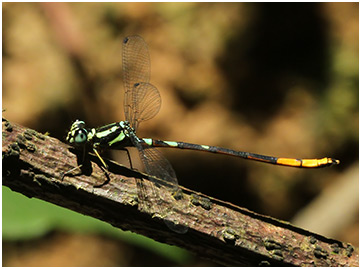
(112, 136)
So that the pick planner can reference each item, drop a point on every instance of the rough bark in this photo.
(229, 235)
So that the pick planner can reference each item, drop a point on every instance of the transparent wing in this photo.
(161, 173)
(142, 99)
(144, 105)
(158, 166)
(142, 102)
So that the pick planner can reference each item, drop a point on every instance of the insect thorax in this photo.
(114, 135)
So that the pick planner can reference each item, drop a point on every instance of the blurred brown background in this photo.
(277, 79)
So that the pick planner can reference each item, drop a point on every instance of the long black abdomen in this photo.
(302, 163)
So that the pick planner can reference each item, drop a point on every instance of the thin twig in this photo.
(33, 164)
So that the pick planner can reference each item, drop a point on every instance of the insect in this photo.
(142, 102)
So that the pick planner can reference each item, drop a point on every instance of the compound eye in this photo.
(81, 136)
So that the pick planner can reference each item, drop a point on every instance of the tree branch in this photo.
(217, 230)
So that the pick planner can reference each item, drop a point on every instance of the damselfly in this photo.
(142, 102)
